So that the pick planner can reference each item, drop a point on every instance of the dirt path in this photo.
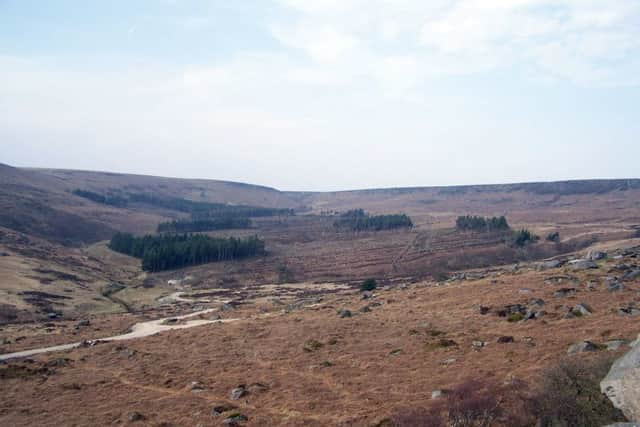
(139, 330)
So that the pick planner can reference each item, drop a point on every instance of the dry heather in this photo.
(307, 365)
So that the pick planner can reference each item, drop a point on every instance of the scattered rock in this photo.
(596, 255)
(632, 275)
(239, 392)
(483, 309)
(437, 394)
(505, 339)
(83, 323)
(221, 409)
(616, 287)
(449, 361)
(545, 265)
(582, 309)
(538, 302)
(582, 347)
(367, 294)
(344, 313)
(478, 344)
(564, 292)
(629, 311)
(227, 307)
(234, 419)
(582, 264)
(196, 387)
(135, 416)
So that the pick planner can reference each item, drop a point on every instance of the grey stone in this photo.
(596, 255)
(614, 345)
(83, 323)
(629, 311)
(583, 309)
(564, 292)
(632, 275)
(136, 416)
(344, 313)
(545, 265)
(622, 383)
(437, 394)
(539, 302)
(615, 287)
(239, 392)
(221, 409)
(235, 419)
(582, 347)
(582, 264)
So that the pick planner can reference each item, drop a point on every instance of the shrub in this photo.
(515, 317)
(368, 285)
(472, 404)
(523, 236)
(553, 237)
(570, 396)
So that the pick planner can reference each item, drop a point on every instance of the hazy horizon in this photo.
(324, 95)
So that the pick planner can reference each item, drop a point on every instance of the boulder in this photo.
(582, 309)
(135, 416)
(582, 347)
(221, 409)
(506, 339)
(582, 264)
(437, 394)
(564, 292)
(629, 311)
(614, 345)
(632, 275)
(596, 255)
(545, 265)
(83, 323)
(239, 392)
(234, 419)
(616, 287)
(344, 313)
(622, 383)
(538, 302)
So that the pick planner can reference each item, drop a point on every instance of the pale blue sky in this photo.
(325, 94)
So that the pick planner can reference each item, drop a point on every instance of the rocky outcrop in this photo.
(622, 383)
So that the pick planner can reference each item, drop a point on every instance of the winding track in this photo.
(139, 330)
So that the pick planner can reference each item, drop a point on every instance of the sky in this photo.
(324, 94)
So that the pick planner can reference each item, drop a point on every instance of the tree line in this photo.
(199, 225)
(359, 220)
(170, 251)
(480, 223)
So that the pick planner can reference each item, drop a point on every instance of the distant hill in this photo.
(42, 203)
